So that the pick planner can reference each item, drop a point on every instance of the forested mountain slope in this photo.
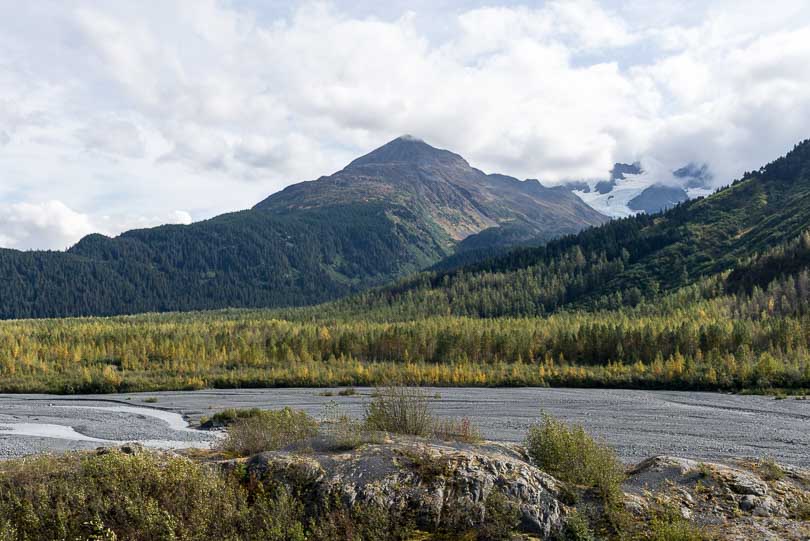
(626, 260)
(399, 209)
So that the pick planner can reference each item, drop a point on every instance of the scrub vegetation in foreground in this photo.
(141, 495)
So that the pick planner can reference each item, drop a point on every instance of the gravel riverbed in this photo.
(638, 424)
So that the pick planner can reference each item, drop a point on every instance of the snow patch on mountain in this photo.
(612, 197)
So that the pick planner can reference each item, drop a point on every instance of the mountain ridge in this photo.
(627, 260)
(396, 210)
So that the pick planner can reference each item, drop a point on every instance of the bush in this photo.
(428, 466)
(571, 455)
(229, 416)
(276, 515)
(361, 522)
(494, 519)
(668, 525)
(576, 528)
(501, 517)
(801, 509)
(268, 431)
(770, 470)
(457, 430)
(400, 410)
(406, 410)
(117, 496)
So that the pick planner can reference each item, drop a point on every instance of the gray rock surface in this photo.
(430, 480)
(737, 502)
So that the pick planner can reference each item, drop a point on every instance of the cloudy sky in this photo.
(120, 114)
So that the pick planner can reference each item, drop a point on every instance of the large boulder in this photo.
(735, 502)
(429, 480)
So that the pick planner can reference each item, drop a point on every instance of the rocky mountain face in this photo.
(394, 211)
(657, 198)
(443, 190)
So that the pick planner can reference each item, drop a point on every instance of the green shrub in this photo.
(801, 510)
(114, 495)
(501, 517)
(268, 431)
(364, 521)
(571, 455)
(229, 416)
(276, 515)
(576, 528)
(494, 519)
(400, 410)
(426, 465)
(673, 529)
(770, 470)
(702, 470)
(406, 410)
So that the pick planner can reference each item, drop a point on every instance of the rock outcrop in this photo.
(431, 481)
(743, 501)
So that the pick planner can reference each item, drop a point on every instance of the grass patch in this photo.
(265, 430)
(151, 400)
(348, 391)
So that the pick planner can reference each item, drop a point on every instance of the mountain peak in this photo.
(411, 150)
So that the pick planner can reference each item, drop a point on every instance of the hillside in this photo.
(392, 212)
(626, 260)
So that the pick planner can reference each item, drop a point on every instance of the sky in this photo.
(117, 114)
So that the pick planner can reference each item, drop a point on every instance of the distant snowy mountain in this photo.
(633, 188)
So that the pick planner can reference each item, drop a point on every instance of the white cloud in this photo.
(52, 225)
(113, 136)
(48, 225)
(131, 110)
(112, 225)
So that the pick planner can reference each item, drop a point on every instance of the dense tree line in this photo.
(731, 342)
